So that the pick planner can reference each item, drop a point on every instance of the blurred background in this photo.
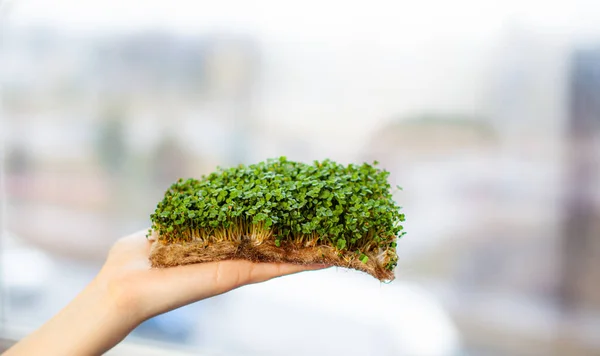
(487, 113)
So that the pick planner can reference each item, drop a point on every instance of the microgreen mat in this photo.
(344, 211)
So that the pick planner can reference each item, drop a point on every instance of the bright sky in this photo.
(403, 55)
(386, 21)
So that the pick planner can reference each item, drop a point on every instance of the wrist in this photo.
(97, 319)
(116, 301)
(90, 324)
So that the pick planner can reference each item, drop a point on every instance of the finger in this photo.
(265, 271)
(152, 236)
(164, 289)
(134, 247)
(173, 287)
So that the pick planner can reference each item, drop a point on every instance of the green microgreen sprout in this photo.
(285, 204)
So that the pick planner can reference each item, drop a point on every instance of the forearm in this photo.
(89, 325)
(127, 291)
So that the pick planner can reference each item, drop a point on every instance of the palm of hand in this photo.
(144, 292)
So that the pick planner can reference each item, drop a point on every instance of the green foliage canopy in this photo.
(347, 207)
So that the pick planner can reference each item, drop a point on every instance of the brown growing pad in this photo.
(175, 254)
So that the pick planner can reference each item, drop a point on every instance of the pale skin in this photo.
(127, 291)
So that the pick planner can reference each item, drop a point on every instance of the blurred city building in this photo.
(495, 142)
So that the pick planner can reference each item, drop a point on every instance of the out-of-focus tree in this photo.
(111, 145)
(18, 160)
(429, 134)
(169, 161)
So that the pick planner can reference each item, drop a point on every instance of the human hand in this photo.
(127, 291)
(143, 292)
